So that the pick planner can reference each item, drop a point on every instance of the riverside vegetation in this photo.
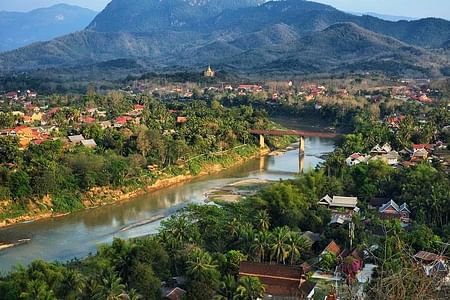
(52, 177)
(205, 244)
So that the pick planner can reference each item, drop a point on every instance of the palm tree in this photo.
(263, 219)
(246, 235)
(280, 249)
(37, 290)
(250, 288)
(72, 285)
(296, 244)
(261, 244)
(227, 288)
(201, 266)
(92, 287)
(111, 287)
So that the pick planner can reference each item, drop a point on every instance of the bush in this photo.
(63, 202)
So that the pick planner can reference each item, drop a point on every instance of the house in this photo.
(105, 124)
(280, 281)
(356, 158)
(380, 150)
(182, 120)
(420, 154)
(428, 147)
(12, 96)
(391, 210)
(76, 139)
(174, 294)
(139, 107)
(333, 248)
(433, 264)
(89, 143)
(392, 158)
(249, 88)
(32, 94)
(339, 202)
(122, 120)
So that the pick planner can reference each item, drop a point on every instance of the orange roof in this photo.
(333, 248)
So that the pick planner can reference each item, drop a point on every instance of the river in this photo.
(78, 234)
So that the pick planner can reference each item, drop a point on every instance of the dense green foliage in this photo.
(212, 135)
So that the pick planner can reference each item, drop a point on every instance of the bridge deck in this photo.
(294, 132)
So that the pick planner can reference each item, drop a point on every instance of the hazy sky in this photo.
(408, 8)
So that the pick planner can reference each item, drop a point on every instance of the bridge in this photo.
(300, 133)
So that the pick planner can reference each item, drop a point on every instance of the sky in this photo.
(407, 8)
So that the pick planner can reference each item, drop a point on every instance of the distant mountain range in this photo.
(291, 36)
(385, 17)
(18, 29)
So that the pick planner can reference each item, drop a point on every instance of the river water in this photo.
(80, 233)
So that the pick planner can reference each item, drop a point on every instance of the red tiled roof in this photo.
(333, 248)
(175, 294)
(279, 280)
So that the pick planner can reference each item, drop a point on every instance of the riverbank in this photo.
(102, 196)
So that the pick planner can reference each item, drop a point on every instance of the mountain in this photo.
(385, 17)
(242, 35)
(18, 29)
(152, 15)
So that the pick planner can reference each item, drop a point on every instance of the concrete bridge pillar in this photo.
(301, 164)
(301, 148)
(262, 144)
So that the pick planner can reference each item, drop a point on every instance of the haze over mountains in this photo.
(18, 29)
(292, 36)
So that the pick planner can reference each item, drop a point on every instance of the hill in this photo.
(18, 29)
(282, 36)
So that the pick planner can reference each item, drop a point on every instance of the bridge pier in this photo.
(301, 164)
(262, 143)
(301, 146)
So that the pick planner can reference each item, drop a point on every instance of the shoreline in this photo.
(121, 196)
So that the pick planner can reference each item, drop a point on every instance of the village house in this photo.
(249, 88)
(32, 94)
(349, 261)
(174, 294)
(280, 281)
(76, 139)
(339, 202)
(391, 210)
(89, 143)
(434, 265)
(12, 96)
(356, 158)
(380, 150)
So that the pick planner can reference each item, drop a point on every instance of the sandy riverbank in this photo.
(113, 196)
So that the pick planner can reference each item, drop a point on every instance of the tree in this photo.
(280, 248)
(20, 184)
(263, 220)
(296, 245)
(143, 279)
(327, 261)
(37, 290)
(72, 285)
(250, 288)
(201, 267)
(111, 287)
(9, 149)
(227, 288)
(261, 245)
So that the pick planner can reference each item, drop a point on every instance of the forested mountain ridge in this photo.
(18, 29)
(244, 35)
